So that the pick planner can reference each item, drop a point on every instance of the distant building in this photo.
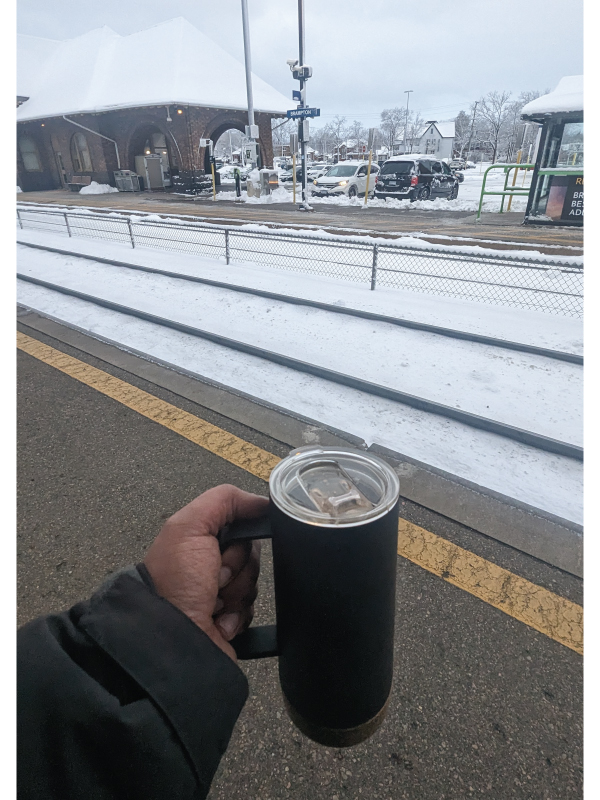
(88, 106)
(435, 138)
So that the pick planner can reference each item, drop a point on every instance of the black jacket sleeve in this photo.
(122, 696)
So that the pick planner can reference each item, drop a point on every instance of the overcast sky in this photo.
(364, 53)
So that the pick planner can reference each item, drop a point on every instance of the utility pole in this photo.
(471, 134)
(252, 129)
(407, 93)
(302, 123)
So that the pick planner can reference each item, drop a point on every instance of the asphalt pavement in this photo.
(482, 704)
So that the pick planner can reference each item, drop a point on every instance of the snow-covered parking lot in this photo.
(469, 193)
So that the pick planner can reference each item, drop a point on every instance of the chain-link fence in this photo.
(551, 285)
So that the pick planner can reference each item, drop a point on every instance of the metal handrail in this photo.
(506, 192)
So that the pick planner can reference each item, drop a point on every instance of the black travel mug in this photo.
(333, 519)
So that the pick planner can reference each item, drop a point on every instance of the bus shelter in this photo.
(556, 194)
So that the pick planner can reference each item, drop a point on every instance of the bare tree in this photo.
(358, 134)
(416, 123)
(280, 132)
(338, 130)
(493, 112)
(462, 131)
(392, 122)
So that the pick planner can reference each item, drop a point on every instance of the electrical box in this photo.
(127, 181)
(252, 131)
(269, 181)
(150, 168)
(303, 130)
(301, 73)
(251, 152)
(293, 143)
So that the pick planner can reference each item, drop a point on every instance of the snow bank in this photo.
(19, 190)
(97, 188)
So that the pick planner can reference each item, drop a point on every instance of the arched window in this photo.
(30, 154)
(80, 155)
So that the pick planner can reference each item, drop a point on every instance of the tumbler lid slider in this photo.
(333, 487)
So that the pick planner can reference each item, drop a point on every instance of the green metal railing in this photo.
(507, 191)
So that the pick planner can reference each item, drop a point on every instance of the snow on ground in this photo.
(519, 325)
(541, 479)
(530, 392)
(499, 281)
(97, 188)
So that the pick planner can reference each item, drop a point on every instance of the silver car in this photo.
(346, 177)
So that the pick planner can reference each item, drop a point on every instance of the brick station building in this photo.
(88, 106)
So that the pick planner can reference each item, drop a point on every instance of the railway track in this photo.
(530, 438)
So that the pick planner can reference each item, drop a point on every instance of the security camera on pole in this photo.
(301, 73)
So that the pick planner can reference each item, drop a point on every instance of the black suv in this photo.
(416, 178)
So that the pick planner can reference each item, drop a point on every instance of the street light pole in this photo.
(248, 66)
(407, 93)
(304, 204)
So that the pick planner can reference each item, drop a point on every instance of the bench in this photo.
(77, 181)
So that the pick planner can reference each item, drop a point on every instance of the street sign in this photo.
(297, 96)
(294, 113)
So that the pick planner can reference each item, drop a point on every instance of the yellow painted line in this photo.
(554, 616)
(233, 449)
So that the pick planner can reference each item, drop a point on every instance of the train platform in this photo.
(487, 696)
(499, 231)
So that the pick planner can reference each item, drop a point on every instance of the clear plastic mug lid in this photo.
(333, 487)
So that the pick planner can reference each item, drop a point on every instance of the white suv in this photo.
(346, 177)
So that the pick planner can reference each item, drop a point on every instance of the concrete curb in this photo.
(549, 538)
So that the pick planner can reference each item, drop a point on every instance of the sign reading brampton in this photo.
(303, 112)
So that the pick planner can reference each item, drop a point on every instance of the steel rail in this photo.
(451, 333)
(535, 440)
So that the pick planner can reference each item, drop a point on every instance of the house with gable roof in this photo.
(435, 138)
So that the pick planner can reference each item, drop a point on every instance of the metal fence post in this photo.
(130, 232)
(374, 268)
(19, 218)
(67, 224)
(227, 247)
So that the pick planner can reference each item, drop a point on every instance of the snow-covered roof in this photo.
(411, 157)
(446, 129)
(33, 53)
(568, 96)
(171, 63)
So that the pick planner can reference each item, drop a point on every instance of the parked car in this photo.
(317, 171)
(346, 177)
(416, 177)
(286, 178)
(457, 163)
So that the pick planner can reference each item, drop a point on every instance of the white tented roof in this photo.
(568, 96)
(171, 63)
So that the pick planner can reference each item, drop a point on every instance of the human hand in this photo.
(216, 591)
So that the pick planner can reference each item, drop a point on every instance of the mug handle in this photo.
(260, 641)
